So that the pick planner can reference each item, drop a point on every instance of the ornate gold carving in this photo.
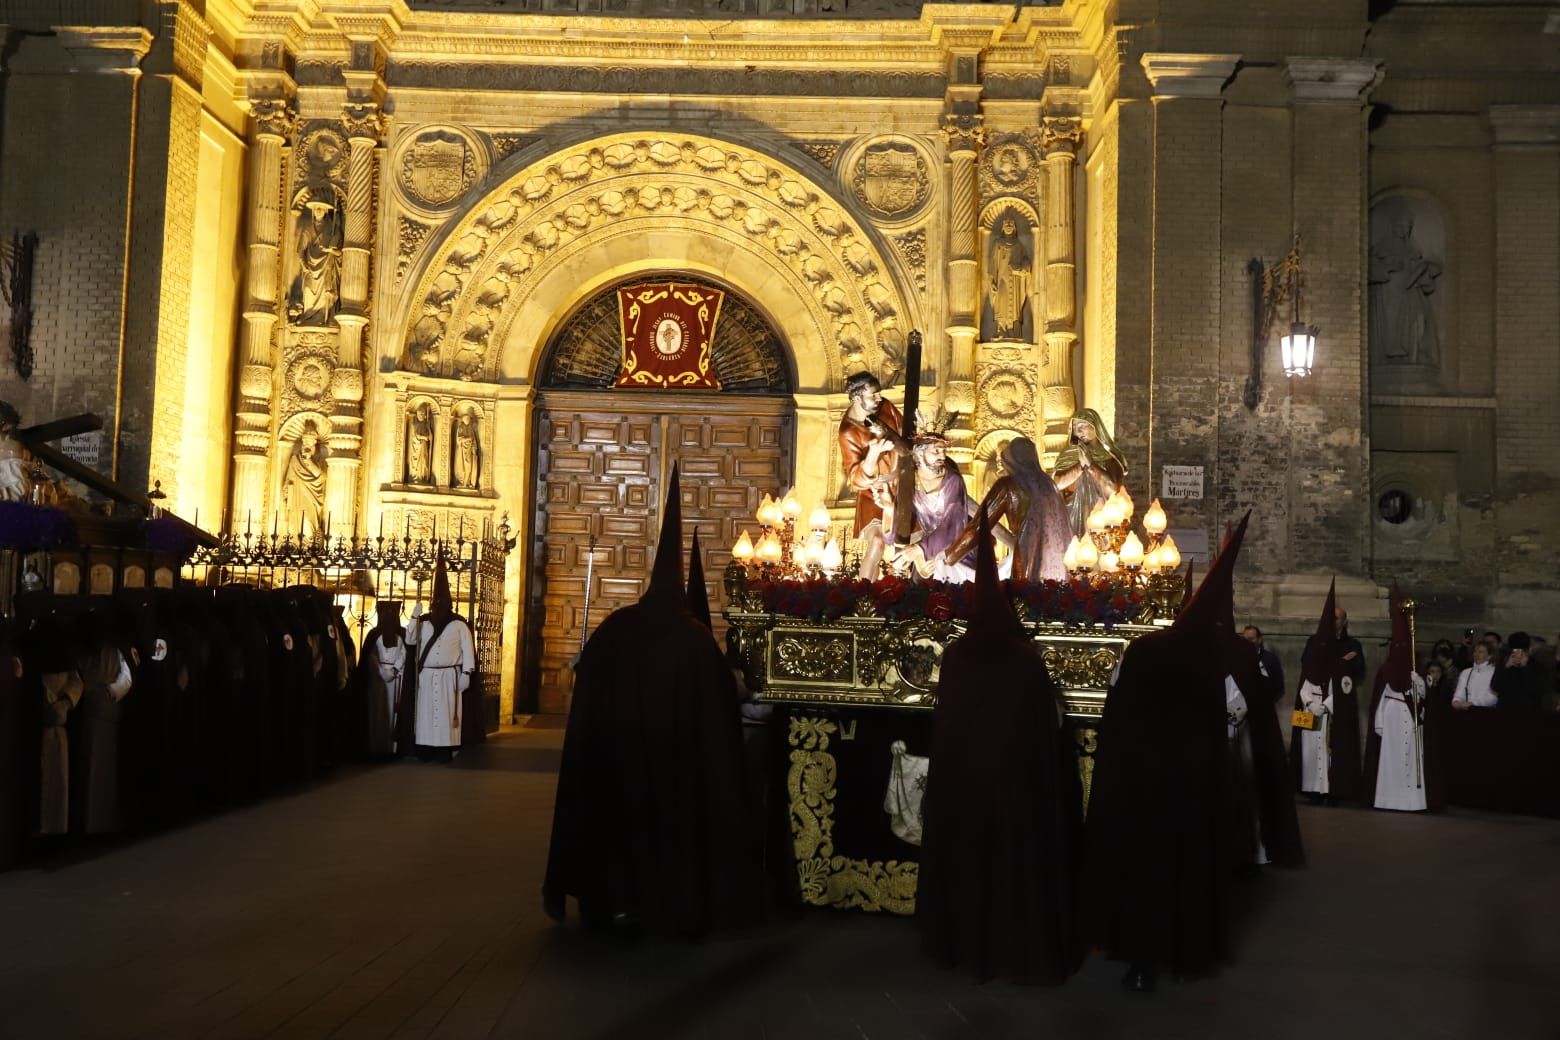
(912, 248)
(826, 879)
(307, 372)
(409, 239)
(812, 657)
(274, 116)
(1061, 133)
(500, 247)
(890, 179)
(508, 144)
(965, 132)
(437, 167)
(1082, 666)
(824, 152)
(362, 120)
(1008, 166)
(663, 77)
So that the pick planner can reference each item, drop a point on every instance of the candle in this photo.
(1109, 562)
(818, 519)
(1169, 555)
(1131, 552)
(1070, 557)
(832, 557)
(1088, 555)
(743, 550)
(791, 508)
(1155, 521)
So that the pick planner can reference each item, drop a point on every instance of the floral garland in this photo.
(1077, 601)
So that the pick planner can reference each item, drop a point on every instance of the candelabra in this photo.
(778, 552)
(1113, 553)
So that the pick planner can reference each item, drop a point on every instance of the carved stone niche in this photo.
(1410, 292)
(1009, 248)
(433, 167)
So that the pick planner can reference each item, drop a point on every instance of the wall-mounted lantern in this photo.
(1271, 288)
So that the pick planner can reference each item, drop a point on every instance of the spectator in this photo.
(1519, 682)
(1474, 684)
(1445, 655)
(1439, 686)
(1463, 655)
(1267, 660)
(1492, 640)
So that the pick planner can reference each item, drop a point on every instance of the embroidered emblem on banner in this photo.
(668, 334)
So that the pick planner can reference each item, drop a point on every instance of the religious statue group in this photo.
(1034, 514)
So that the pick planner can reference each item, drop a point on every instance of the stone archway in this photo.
(678, 200)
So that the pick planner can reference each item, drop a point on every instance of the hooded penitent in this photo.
(446, 701)
(381, 675)
(1338, 732)
(1002, 807)
(1157, 831)
(698, 592)
(1396, 735)
(1270, 780)
(650, 822)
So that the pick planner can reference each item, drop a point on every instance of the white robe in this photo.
(1473, 686)
(1400, 773)
(441, 679)
(1314, 762)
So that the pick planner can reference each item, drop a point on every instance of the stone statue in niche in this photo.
(303, 482)
(419, 445)
(466, 464)
(1008, 282)
(1404, 282)
(319, 216)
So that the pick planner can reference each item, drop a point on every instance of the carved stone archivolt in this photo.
(466, 296)
(890, 178)
(435, 166)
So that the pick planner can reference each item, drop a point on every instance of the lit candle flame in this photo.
(1155, 521)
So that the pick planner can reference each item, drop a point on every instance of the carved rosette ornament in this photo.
(500, 248)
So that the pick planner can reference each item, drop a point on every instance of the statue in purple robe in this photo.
(942, 508)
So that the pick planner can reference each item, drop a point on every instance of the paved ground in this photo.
(401, 901)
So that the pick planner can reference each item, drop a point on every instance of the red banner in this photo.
(668, 331)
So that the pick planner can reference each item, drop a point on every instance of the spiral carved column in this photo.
(363, 124)
(1060, 139)
(965, 133)
(272, 123)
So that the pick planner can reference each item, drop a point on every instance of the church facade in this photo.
(337, 262)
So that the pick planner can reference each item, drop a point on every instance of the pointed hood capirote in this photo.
(666, 574)
(1398, 669)
(442, 606)
(994, 614)
(1212, 606)
(1320, 659)
(698, 592)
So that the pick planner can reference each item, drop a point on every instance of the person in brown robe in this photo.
(1157, 841)
(650, 824)
(1327, 681)
(1003, 813)
(867, 435)
(105, 682)
(1026, 499)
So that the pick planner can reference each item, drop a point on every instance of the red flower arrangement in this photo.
(1077, 601)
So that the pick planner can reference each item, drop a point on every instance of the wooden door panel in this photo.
(598, 478)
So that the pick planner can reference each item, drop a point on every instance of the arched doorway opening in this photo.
(602, 458)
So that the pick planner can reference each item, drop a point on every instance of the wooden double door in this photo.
(602, 462)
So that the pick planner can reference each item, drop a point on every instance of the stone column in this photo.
(1526, 165)
(1060, 138)
(965, 134)
(273, 122)
(1186, 257)
(1329, 479)
(363, 124)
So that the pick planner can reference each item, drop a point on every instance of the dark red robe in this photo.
(1002, 816)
